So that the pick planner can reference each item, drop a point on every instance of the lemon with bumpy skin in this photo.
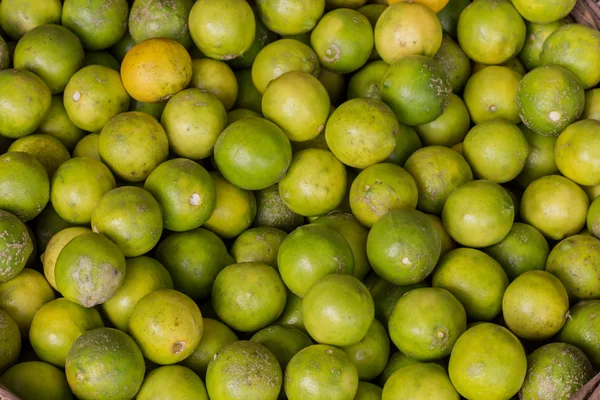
(478, 214)
(417, 89)
(491, 31)
(549, 99)
(167, 325)
(487, 362)
(298, 103)
(290, 17)
(314, 184)
(253, 153)
(343, 40)
(575, 48)
(222, 29)
(362, 132)
(406, 29)
(577, 152)
(554, 205)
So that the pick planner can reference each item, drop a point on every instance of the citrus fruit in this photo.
(575, 47)
(478, 214)
(24, 101)
(496, 150)
(373, 13)
(540, 161)
(167, 325)
(11, 341)
(46, 225)
(563, 364)
(523, 249)
(370, 355)
(49, 151)
(592, 191)
(431, 335)
(217, 78)
(356, 236)
(448, 243)
(240, 113)
(36, 380)
(131, 218)
(549, 107)
(491, 31)
(397, 361)
(366, 82)
(541, 12)
(335, 84)
(18, 17)
(283, 341)
(535, 305)
(5, 55)
(342, 40)
(333, 4)
(56, 325)
(311, 252)
(314, 184)
(320, 372)
(487, 361)
(93, 96)
(581, 329)
(16, 246)
(123, 45)
(24, 184)
(132, 145)
(73, 195)
(234, 211)
(419, 381)
(475, 279)
(101, 57)
(97, 26)
(513, 64)
(160, 18)
(172, 382)
(385, 295)
(417, 89)
(492, 94)
(98, 351)
(298, 103)
(244, 369)
(338, 310)
(558, 215)
(193, 120)
(455, 62)
(292, 313)
(260, 244)
(403, 246)
(362, 132)
(55, 245)
(437, 171)
(52, 52)
(290, 18)
(577, 152)
(156, 69)
(593, 218)
(153, 109)
(407, 142)
(576, 262)
(193, 258)
(248, 296)
(450, 128)
(216, 335)
(58, 124)
(406, 29)
(143, 275)
(592, 105)
(272, 211)
(222, 30)
(262, 37)
(279, 57)
(380, 188)
(534, 42)
(248, 96)
(89, 269)
(368, 391)
(266, 151)
(185, 191)
(449, 15)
